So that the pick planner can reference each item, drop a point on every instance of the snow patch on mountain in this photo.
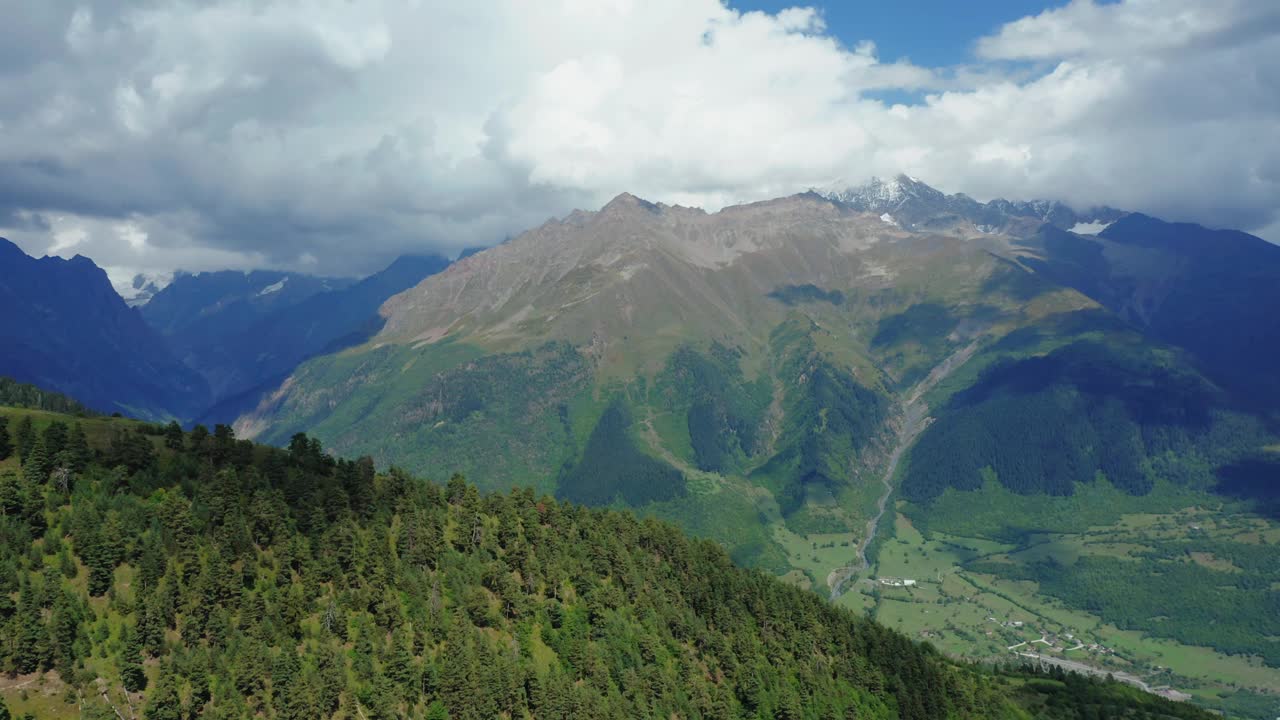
(917, 206)
(1089, 228)
(274, 287)
(137, 289)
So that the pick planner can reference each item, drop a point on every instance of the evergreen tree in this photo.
(198, 440)
(36, 464)
(132, 674)
(78, 448)
(12, 501)
(163, 703)
(6, 449)
(198, 678)
(31, 649)
(400, 666)
(55, 437)
(173, 437)
(25, 436)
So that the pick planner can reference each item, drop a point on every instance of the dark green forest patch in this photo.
(723, 411)
(830, 420)
(807, 293)
(1044, 423)
(612, 468)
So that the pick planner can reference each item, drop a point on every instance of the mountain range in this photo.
(198, 348)
(771, 350)
(841, 387)
(812, 379)
(914, 205)
(64, 328)
(242, 331)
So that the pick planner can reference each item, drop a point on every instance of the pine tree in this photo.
(6, 449)
(199, 439)
(173, 435)
(132, 675)
(400, 666)
(78, 448)
(163, 702)
(55, 437)
(198, 677)
(11, 497)
(36, 464)
(25, 436)
(31, 651)
(4, 711)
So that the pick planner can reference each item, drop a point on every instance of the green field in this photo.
(972, 590)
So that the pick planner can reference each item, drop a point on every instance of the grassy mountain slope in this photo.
(1208, 291)
(192, 575)
(746, 360)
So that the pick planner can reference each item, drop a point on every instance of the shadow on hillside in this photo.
(1254, 479)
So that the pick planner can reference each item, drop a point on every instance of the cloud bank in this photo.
(330, 136)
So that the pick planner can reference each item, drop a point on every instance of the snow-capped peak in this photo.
(140, 288)
(879, 194)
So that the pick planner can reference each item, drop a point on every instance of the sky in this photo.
(329, 136)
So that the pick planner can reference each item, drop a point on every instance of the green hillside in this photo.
(23, 395)
(796, 380)
(195, 575)
(733, 399)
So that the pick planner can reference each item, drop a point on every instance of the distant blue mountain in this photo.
(1213, 293)
(243, 331)
(195, 307)
(63, 327)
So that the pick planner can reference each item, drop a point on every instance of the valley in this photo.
(975, 596)
(912, 420)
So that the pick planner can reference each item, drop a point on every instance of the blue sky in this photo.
(933, 33)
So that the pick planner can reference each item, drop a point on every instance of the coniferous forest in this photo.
(155, 573)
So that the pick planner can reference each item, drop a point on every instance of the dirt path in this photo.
(914, 413)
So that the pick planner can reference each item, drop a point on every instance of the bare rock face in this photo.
(640, 268)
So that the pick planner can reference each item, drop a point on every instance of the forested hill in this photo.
(146, 572)
(16, 394)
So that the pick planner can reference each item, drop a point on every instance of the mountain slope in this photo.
(1212, 292)
(64, 327)
(210, 305)
(735, 371)
(245, 363)
(207, 317)
(227, 580)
